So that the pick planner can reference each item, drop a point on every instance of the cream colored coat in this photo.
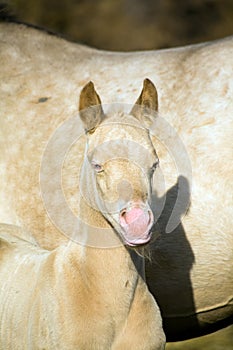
(41, 77)
(73, 298)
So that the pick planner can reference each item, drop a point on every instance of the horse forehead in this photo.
(123, 143)
(121, 135)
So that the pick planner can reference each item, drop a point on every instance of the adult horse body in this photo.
(191, 270)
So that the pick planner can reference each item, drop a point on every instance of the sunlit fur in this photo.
(83, 296)
(73, 298)
(41, 78)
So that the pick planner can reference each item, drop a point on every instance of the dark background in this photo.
(129, 24)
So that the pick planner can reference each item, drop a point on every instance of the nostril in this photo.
(123, 217)
(123, 213)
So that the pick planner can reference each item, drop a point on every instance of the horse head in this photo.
(119, 162)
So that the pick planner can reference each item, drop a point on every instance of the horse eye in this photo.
(97, 167)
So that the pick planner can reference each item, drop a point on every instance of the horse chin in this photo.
(140, 246)
(135, 242)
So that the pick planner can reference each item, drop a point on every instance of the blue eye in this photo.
(97, 167)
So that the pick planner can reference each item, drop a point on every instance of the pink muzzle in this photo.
(136, 223)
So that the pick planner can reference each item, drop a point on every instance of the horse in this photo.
(190, 270)
(80, 296)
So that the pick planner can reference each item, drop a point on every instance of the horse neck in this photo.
(99, 269)
(103, 246)
(100, 252)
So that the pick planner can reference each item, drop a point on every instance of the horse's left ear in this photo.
(147, 102)
(90, 108)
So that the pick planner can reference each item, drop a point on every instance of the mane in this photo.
(120, 117)
(126, 118)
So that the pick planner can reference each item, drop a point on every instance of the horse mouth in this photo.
(137, 241)
(136, 223)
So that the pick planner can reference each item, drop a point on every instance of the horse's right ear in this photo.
(90, 108)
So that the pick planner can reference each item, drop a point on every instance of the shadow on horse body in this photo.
(172, 260)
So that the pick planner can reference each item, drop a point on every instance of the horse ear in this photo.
(147, 102)
(90, 108)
